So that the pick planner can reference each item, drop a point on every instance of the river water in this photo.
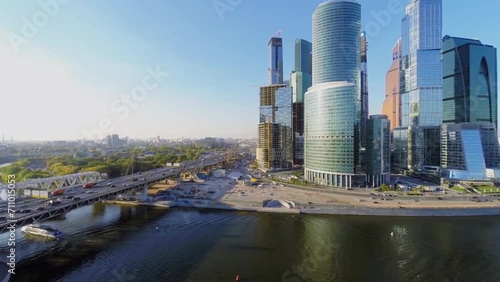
(114, 243)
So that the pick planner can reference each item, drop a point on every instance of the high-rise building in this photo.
(331, 105)
(420, 86)
(378, 155)
(275, 146)
(392, 102)
(276, 60)
(301, 80)
(470, 152)
(364, 90)
(469, 81)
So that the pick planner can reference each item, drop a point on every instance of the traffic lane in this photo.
(82, 193)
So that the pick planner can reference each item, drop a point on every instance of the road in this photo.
(36, 209)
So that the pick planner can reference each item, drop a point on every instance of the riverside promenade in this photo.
(227, 194)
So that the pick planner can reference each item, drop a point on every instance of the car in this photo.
(439, 198)
(89, 192)
(25, 211)
(113, 186)
(68, 197)
(310, 203)
(76, 198)
(416, 200)
(375, 202)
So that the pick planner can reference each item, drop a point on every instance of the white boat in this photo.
(41, 230)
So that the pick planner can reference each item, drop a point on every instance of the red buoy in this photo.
(237, 278)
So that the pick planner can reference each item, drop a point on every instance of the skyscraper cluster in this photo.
(439, 115)
(441, 98)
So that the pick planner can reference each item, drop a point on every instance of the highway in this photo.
(36, 210)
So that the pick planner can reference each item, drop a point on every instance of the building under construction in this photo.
(275, 147)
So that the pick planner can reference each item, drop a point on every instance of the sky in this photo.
(74, 69)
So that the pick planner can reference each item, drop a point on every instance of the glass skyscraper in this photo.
(392, 103)
(420, 84)
(275, 60)
(331, 104)
(378, 159)
(275, 147)
(470, 152)
(363, 98)
(301, 80)
(469, 81)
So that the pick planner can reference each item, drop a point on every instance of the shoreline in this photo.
(327, 210)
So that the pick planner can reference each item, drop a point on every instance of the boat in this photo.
(41, 230)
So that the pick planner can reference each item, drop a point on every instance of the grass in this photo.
(485, 189)
(459, 189)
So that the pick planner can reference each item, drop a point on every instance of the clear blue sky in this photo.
(65, 79)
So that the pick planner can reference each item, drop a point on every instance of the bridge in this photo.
(55, 183)
(101, 192)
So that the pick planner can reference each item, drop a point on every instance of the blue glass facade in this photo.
(469, 151)
(469, 81)
(332, 104)
(301, 80)
(421, 80)
(378, 139)
(276, 60)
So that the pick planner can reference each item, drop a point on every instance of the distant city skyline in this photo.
(72, 66)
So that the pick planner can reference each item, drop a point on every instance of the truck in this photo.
(58, 192)
(89, 185)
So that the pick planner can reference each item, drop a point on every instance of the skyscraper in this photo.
(364, 90)
(301, 80)
(275, 145)
(470, 152)
(469, 81)
(392, 102)
(274, 149)
(378, 160)
(332, 104)
(420, 86)
(276, 60)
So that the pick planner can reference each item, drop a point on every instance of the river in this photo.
(114, 243)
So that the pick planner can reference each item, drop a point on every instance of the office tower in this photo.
(470, 152)
(301, 80)
(364, 90)
(469, 81)
(378, 157)
(420, 87)
(276, 60)
(331, 105)
(392, 102)
(275, 147)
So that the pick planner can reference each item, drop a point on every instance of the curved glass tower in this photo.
(331, 104)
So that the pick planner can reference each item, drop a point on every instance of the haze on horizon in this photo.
(66, 66)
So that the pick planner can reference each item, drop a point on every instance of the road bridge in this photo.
(100, 192)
